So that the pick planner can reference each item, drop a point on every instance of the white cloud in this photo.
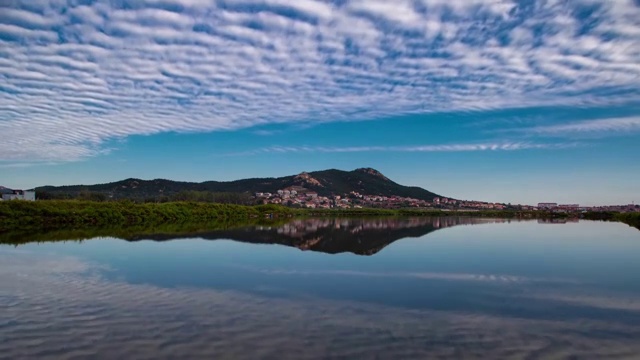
(624, 124)
(17, 165)
(497, 146)
(75, 77)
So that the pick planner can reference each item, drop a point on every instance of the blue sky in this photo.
(496, 100)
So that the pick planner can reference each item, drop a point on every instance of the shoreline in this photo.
(61, 214)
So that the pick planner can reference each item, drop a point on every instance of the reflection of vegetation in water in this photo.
(177, 230)
(631, 219)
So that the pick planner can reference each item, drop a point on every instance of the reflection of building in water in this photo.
(558, 221)
(301, 227)
(364, 236)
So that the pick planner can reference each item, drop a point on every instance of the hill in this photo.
(326, 183)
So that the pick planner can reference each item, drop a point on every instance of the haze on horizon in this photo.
(491, 100)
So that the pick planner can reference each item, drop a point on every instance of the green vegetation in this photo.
(631, 219)
(184, 195)
(75, 213)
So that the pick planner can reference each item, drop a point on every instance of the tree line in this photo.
(185, 195)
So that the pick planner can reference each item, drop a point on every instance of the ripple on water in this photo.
(66, 314)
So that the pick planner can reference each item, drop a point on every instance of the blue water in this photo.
(562, 290)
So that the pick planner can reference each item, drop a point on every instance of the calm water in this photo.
(457, 288)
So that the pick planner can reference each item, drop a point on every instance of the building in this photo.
(19, 195)
(547, 206)
(569, 207)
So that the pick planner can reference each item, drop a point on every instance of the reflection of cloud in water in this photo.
(496, 278)
(60, 308)
(590, 300)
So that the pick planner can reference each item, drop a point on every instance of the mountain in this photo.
(366, 181)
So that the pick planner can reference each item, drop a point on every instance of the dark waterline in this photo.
(361, 288)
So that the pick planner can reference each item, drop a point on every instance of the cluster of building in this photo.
(387, 202)
(10, 194)
(447, 203)
(559, 207)
(555, 207)
(297, 196)
(300, 197)
(615, 208)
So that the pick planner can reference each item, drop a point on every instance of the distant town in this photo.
(300, 197)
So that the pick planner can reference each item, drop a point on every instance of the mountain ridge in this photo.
(366, 181)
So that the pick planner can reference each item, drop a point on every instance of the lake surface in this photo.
(388, 288)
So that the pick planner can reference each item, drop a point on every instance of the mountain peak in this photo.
(304, 178)
(372, 171)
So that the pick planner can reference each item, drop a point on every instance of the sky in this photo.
(495, 100)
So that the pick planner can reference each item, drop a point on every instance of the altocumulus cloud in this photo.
(626, 124)
(502, 146)
(74, 75)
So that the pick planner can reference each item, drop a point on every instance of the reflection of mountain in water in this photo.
(331, 235)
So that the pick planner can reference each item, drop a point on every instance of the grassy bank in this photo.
(71, 213)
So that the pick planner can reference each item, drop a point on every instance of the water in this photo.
(460, 288)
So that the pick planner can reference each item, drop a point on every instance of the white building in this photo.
(20, 195)
(547, 205)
